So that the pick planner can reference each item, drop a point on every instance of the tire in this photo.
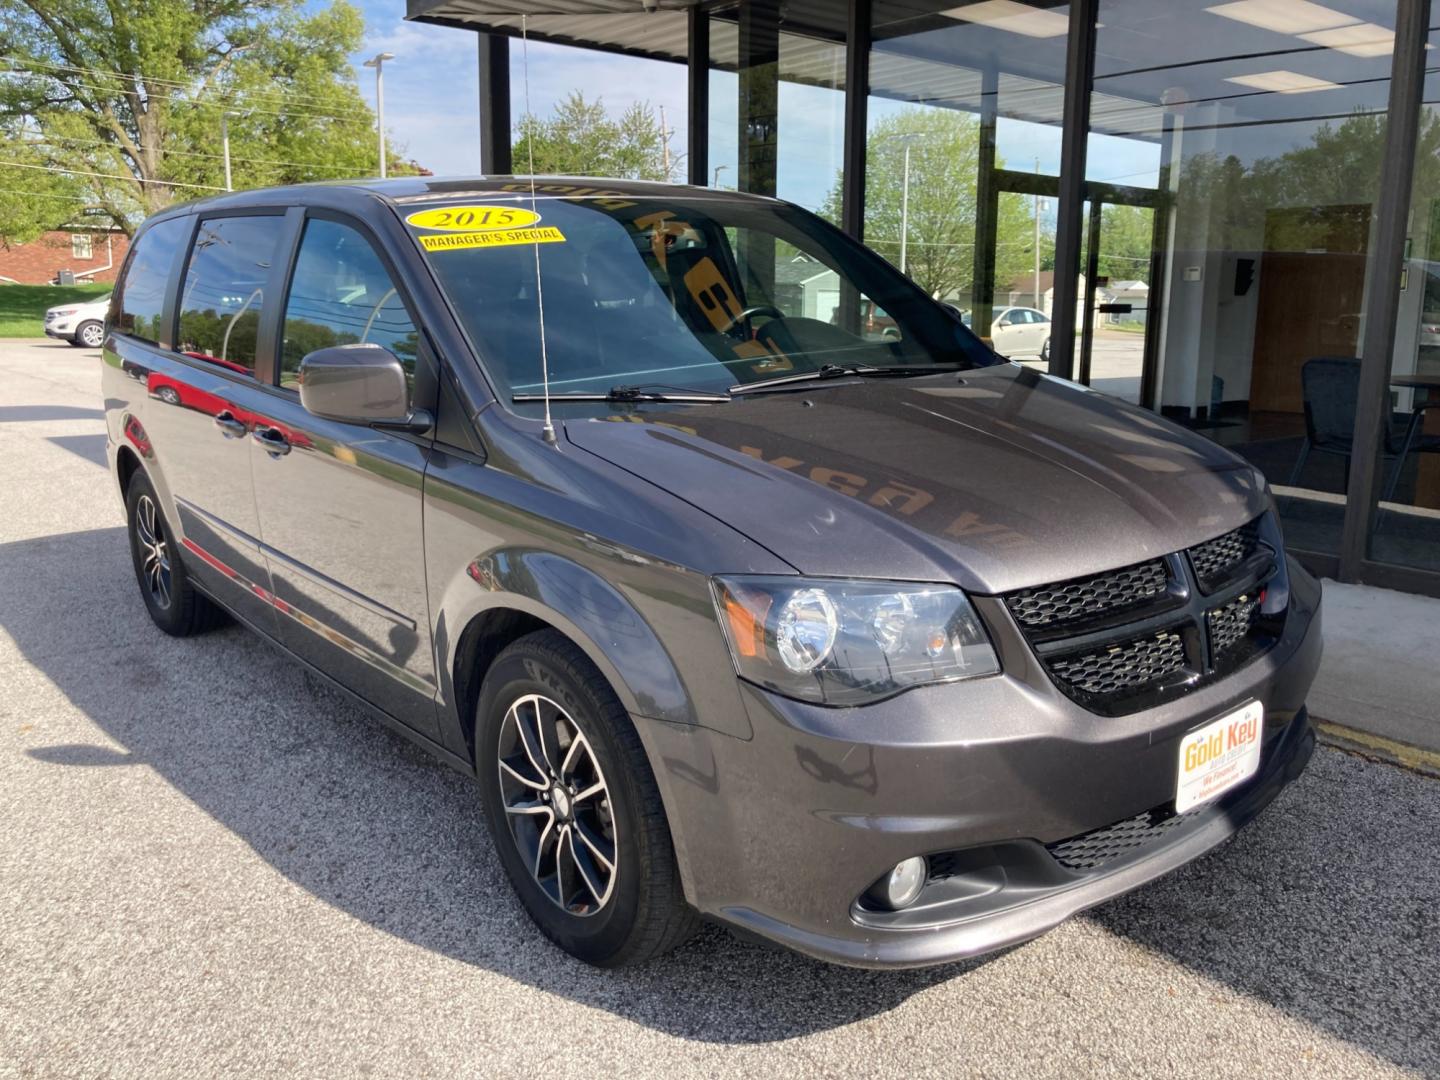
(175, 605)
(169, 395)
(89, 335)
(1045, 351)
(635, 912)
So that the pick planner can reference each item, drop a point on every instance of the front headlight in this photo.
(850, 642)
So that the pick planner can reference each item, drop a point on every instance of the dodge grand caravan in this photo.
(859, 639)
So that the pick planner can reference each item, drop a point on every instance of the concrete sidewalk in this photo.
(1378, 690)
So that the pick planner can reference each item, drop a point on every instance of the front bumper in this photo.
(778, 835)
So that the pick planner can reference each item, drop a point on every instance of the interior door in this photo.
(339, 503)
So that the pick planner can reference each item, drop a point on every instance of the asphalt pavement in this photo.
(212, 866)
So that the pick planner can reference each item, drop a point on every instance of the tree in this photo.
(125, 97)
(944, 163)
(582, 139)
(1126, 239)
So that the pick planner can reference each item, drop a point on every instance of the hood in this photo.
(996, 479)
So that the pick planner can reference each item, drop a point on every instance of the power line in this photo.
(108, 176)
(42, 68)
(229, 105)
(44, 195)
(46, 138)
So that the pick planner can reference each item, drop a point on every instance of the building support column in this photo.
(987, 208)
(697, 77)
(1382, 285)
(759, 130)
(1079, 74)
(494, 64)
(857, 89)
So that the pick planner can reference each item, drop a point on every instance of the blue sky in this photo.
(431, 108)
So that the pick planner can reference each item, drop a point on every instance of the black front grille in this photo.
(1092, 850)
(1230, 625)
(1123, 666)
(1088, 598)
(1127, 639)
(1215, 560)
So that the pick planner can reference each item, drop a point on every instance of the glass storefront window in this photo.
(1405, 527)
(777, 104)
(1235, 161)
(963, 158)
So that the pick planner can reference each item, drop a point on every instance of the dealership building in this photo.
(1240, 201)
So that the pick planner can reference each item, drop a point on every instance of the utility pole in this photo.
(1039, 303)
(378, 63)
(225, 144)
(665, 142)
(907, 140)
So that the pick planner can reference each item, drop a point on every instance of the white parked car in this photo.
(82, 325)
(1021, 331)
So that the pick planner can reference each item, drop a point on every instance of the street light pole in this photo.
(378, 63)
(715, 181)
(225, 143)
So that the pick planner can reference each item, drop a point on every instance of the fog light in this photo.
(899, 888)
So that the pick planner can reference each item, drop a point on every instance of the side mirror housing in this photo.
(356, 384)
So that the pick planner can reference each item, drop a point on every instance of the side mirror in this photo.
(358, 384)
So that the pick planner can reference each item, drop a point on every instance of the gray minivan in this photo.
(736, 603)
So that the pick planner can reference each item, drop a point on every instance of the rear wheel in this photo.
(573, 808)
(89, 335)
(1045, 351)
(174, 604)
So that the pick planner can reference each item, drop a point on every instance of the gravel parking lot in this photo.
(210, 865)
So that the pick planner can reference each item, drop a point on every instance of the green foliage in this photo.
(134, 91)
(582, 139)
(22, 307)
(944, 160)
(1126, 238)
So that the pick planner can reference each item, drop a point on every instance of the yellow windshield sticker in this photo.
(473, 218)
(495, 238)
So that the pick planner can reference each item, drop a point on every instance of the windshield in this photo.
(695, 294)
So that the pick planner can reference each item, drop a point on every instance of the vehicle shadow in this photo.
(1324, 908)
(357, 815)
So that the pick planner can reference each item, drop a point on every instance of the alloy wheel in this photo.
(557, 805)
(154, 550)
(92, 335)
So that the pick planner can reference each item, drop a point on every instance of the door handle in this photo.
(273, 440)
(228, 425)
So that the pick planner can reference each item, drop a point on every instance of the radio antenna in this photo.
(548, 431)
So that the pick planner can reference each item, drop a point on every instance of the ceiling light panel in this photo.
(1362, 39)
(1284, 16)
(1283, 82)
(1013, 18)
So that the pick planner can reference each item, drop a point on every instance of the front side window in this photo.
(341, 294)
(224, 291)
(141, 296)
(692, 294)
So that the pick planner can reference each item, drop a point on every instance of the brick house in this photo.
(90, 254)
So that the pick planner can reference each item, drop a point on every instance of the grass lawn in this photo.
(22, 307)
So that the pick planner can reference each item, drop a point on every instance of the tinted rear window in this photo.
(141, 296)
(224, 291)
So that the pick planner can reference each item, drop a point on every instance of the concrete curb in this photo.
(1378, 748)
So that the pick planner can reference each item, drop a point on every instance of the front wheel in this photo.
(90, 335)
(573, 807)
(1045, 351)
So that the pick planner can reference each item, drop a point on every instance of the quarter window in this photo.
(140, 300)
(342, 294)
(224, 291)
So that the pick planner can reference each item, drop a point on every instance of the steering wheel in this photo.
(750, 312)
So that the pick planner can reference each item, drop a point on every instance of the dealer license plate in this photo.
(1218, 756)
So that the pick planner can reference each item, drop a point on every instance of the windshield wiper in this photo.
(837, 371)
(630, 395)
